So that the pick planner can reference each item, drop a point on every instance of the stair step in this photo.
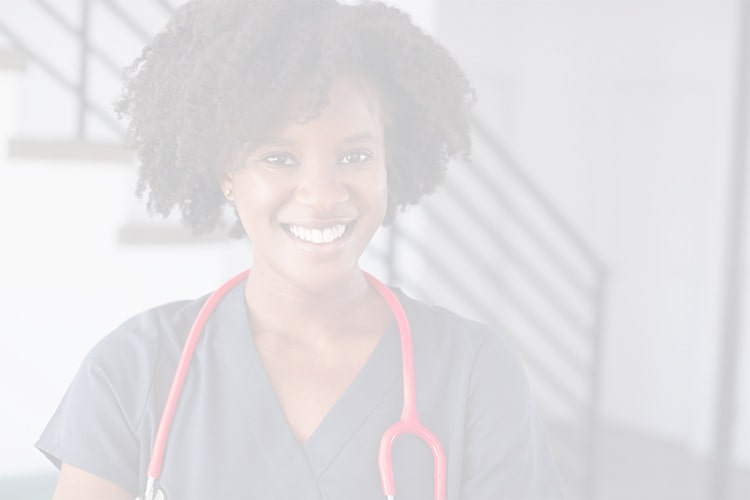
(12, 59)
(165, 233)
(68, 150)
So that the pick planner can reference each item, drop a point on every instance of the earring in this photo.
(228, 193)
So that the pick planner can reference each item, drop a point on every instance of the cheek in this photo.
(257, 196)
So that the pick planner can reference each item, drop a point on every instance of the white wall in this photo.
(621, 111)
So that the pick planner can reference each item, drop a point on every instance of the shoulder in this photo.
(115, 399)
(126, 362)
(486, 388)
(465, 355)
(437, 325)
(146, 335)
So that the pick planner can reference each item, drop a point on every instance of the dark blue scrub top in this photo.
(230, 439)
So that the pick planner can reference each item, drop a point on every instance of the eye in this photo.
(279, 160)
(354, 157)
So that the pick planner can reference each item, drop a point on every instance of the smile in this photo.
(317, 235)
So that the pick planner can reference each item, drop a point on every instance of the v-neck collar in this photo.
(302, 464)
(379, 375)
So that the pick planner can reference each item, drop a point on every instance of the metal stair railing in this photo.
(88, 51)
(589, 329)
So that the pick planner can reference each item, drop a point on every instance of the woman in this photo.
(316, 122)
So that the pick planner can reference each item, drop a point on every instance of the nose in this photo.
(321, 186)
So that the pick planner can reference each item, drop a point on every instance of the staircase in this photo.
(488, 244)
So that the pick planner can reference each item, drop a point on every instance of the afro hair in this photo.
(214, 80)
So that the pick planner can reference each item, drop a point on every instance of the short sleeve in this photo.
(91, 428)
(506, 454)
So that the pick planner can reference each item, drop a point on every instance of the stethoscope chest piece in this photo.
(153, 492)
(156, 495)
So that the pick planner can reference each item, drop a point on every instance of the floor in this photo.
(634, 466)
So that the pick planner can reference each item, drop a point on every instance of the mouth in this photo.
(318, 236)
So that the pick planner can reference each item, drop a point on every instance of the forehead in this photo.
(351, 105)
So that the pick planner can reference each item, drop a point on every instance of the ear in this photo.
(227, 185)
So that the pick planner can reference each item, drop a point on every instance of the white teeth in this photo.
(318, 236)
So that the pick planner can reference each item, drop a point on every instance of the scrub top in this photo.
(230, 438)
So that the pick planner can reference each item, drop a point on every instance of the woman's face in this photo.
(313, 194)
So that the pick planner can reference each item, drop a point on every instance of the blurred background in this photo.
(601, 224)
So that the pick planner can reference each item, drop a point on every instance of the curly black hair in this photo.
(221, 72)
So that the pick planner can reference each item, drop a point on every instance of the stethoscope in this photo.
(408, 423)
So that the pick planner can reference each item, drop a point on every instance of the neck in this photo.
(277, 305)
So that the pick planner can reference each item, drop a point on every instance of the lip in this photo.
(318, 223)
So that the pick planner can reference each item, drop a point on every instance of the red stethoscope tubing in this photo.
(409, 422)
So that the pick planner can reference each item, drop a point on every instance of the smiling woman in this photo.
(315, 121)
(312, 196)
